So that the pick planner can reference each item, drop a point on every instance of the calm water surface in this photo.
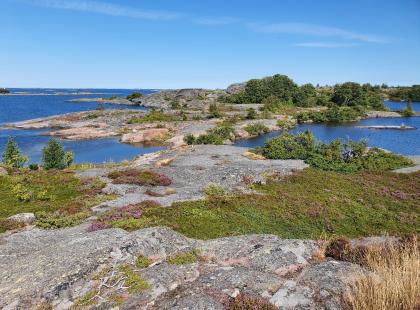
(405, 142)
(24, 107)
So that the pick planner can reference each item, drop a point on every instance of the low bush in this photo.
(59, 220)
(134, 95)
(214, 111)
(153, 116)
(337, 156)
(331, 115)
(214, 190)
(215, 136)
(251, 114)
(256, 129)
(139, 177)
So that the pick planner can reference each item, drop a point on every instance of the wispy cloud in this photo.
(326, 45)
(317, 30)
(216, 21)
(105, 8)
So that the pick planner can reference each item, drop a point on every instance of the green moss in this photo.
(214, 190)
(305, 205)
(86, 300)
(133, 281)
(143, 262)
(184, 258)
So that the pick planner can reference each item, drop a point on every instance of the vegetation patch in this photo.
(184, 258)
(215, 136)
(248, 302)
(153, 116)
(395, 283)
(49, 194)
(133, 281)
(332, 115)
(338, 156)
(143, 262)
(134, 95)
(256, 129)
(139, 177)
(308, 204)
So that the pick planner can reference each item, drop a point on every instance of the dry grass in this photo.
(395, 283)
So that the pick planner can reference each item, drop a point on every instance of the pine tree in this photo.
(53, 155)
(12, 156)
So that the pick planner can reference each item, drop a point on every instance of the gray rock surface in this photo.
(60, 267)
(194, 168)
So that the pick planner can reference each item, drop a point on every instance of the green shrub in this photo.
(214, 111)
(22, 193)
(12, 156)
(184, 258)
(336, 156)
(289, 146)
(59, 220)
(53, 155)
(251, 114)
(256, 129)
(189, 139)
(214, 190)
(68, 158)
(33, 166)
(331, 115)
(134, 95)
(153, 116)
(214, 136)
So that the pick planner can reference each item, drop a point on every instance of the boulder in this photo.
(148, 135)
(26, 218)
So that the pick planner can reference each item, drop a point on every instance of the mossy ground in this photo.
(309, 204)
(63, 194)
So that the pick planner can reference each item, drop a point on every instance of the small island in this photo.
(4, 91)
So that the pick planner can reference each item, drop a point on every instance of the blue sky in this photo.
(191, 43)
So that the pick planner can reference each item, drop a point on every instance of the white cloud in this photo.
(105, 8)
(316, 30)
(326, 45)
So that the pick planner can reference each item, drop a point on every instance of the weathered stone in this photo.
(26, 218)
(148, 135)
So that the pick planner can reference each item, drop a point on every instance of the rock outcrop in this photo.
(72, 267)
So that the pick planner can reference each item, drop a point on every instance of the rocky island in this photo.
(204, 224)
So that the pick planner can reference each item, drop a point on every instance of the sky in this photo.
(206, 43)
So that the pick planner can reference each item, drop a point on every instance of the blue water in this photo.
(22, 107)
(399, 106)
(406, 142)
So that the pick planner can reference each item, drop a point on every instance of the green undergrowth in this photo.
(153, 116)
(133, 281)
(309, 204)
(184, 258)
(57, 198)
(341, 156)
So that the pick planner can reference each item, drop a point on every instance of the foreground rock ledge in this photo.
(58, 267)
